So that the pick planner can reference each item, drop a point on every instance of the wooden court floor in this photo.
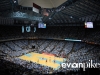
(43, 59)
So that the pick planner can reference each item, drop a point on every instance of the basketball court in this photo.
(44, 59)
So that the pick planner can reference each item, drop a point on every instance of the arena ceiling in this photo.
(42, 3)
(61, 12)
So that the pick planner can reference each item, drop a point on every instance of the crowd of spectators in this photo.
(72, 52)
(79, 33)
(13, 44)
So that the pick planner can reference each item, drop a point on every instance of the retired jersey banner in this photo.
(36, 8)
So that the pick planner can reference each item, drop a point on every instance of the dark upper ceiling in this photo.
(71, 11)
(5, 5)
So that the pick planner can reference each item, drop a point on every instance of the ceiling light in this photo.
(71, 17)
(14, 1)
(50, 18)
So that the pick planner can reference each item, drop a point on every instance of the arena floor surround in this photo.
(45, 59)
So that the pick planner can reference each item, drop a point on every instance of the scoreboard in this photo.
(88, 24)
(41, 25)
